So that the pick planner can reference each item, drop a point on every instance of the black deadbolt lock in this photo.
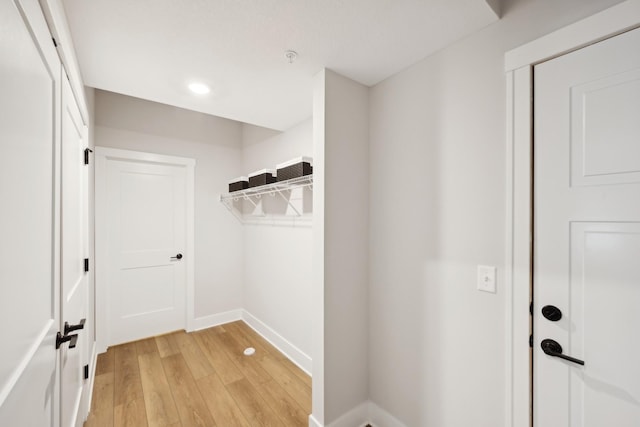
(551, 312)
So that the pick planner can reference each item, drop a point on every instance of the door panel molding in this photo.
(519, 87)
(592, 161)
(27, 357)
(103, 155)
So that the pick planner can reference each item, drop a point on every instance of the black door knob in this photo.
(551, 312)
(71, 339)
(179, 256)
(553, 348)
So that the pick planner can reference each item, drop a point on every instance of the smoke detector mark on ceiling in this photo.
(291, 55)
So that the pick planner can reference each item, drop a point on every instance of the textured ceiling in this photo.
(152, 49)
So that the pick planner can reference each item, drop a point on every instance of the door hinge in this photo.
(86, 265)
(55, 43)
(86, 372)
(531, 341)
(86, 155)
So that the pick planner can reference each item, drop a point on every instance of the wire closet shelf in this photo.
(254, 194)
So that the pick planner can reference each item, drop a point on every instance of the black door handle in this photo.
(553, 348)
(71, 339)
(179, 256)
(70, 328)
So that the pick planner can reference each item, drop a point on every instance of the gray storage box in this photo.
(262, 177)
(295, 168)
(241, 183)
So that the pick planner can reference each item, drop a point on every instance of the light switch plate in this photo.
(486, 278)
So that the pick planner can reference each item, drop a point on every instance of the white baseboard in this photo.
(294, 354)
(378, 417)
(367, 413)
(357, 417)
(216, 319)
(313, 422)
(199, 323)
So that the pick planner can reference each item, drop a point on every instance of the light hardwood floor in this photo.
(199, 379)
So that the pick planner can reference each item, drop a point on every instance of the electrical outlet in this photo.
(486, 278)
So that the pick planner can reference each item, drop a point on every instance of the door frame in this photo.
(102, 156)
(519, 64)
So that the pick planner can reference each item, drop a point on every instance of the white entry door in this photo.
(29, 232)
(142, 231)
(587, 236)
(74, 296)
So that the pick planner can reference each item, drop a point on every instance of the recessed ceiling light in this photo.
(199, 88)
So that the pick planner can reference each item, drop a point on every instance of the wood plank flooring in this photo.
(200, 379)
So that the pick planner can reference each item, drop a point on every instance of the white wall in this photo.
(437, 210)
(278, 259)
(264, 148)
(341, 239)
(215, 143)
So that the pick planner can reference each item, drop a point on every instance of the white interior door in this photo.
(145, 236)
(587, 236)
(74, 297)
(29, 165)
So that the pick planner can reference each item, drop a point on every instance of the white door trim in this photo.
(56, 18)
(518, 66)
(102, 155)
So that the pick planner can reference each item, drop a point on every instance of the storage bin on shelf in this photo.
(237, 184)
(262, 177)
(295, 168)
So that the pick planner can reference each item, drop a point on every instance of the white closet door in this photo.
(29, 202)
(587, 236)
